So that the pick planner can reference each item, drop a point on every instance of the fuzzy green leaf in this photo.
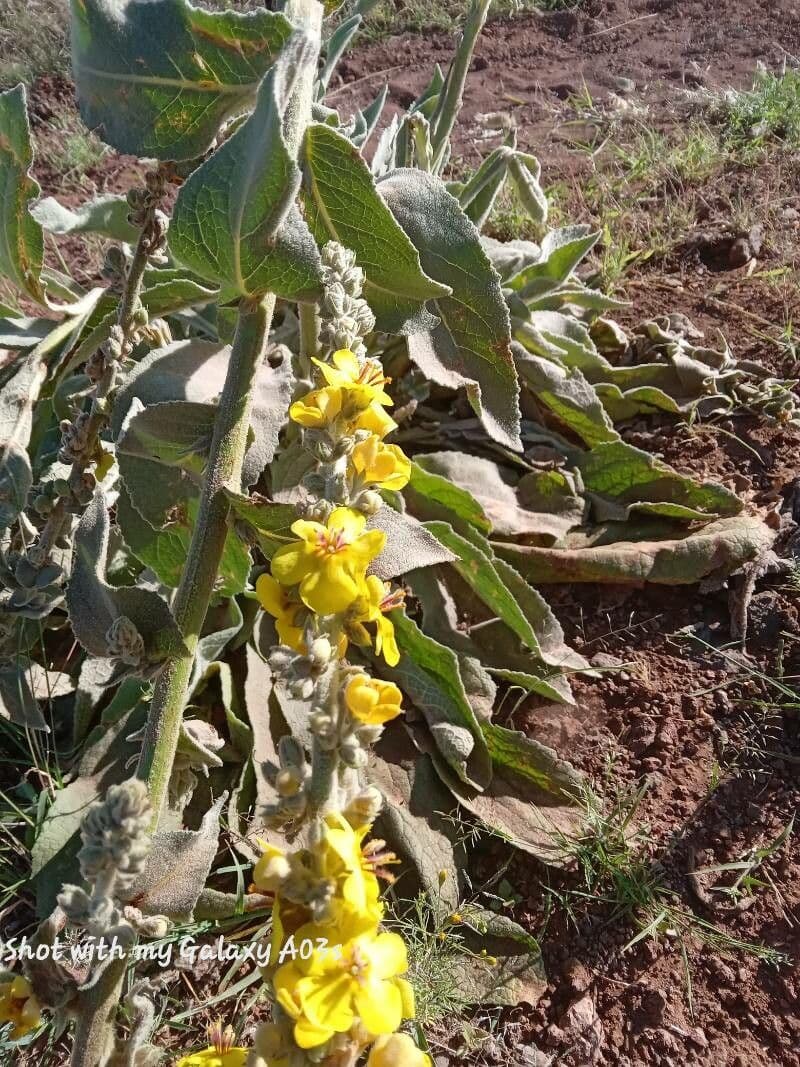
(269, 521)
(106, 215)
(235, 222)
(428, 673)
(719, 548)
(93, 605)
(568, 395)
(625, 480)
(431, 496)
(343, 205)
(514, 507)
(561, 252)
(159, 78)
(533, 798)
(21, 240)
(177, 868)
(471, 346)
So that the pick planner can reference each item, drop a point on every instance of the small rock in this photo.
(656, 1005)
(530, 1057)
(602, 659)
(577, 975)
(584, 1029)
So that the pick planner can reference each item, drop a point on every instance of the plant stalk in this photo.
(224, 471)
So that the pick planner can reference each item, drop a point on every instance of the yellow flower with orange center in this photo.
(277, 600)
(375, 599)
(356, 977)
(328, 562)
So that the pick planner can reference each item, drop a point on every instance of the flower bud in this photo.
(288, 782)
(368, 735)
(370, 502)
(271, 869)
(320, 652)
(364, 808)
(351, 752)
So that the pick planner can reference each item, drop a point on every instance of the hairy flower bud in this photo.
(351, 752)
(364, 808)
(115, 834)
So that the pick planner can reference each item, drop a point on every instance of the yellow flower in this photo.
(371, 701)
(374, 419)
(275, 599)
(19, 1006)
(397, 1050)
(343, 862)
(317, 409)
(376, 598)
(328, 562)
(354, 978)
(364, 381)
(221, 1052)
(386, 466)
(211, 1057)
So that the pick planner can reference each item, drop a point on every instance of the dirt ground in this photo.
(702, 727)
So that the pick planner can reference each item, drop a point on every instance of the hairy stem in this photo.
(224, 470)
(94, 1029)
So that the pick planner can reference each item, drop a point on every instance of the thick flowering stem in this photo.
(224, 470)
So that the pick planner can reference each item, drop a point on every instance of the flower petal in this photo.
(380, 1007)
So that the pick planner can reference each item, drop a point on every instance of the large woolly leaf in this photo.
(234, 221)
(513, 506)
(428, 673)
(177, 868)
(270, 522)
(106, 215)
(505, 967)
(475, 563)
(431, 496)
(408, 544)
(533, 799)
(414, 818)
(157, 78)
(561, 252)
(20, 690)
(165, 549)
(343, 205)
(624, 479)
(568, 396)
(21, 240)
(195, 371)
(471, 346)
(105, 761)
(675, 559)
(95, 607)
(176, 433)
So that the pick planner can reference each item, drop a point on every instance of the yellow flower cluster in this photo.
(348, 981)
(19, 1006)
(324, 572)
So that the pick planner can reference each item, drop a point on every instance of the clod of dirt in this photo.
(725, 251)
(584, 1031)
(769, 616)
